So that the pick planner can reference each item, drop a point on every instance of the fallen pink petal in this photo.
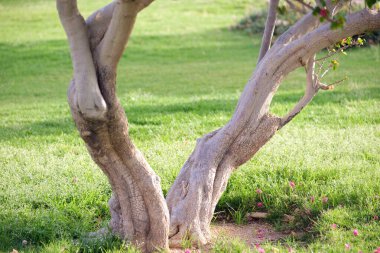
(260, 250)
(292, 184)
(355, 232)
(259, 191)
(334, 226)
(347, 246)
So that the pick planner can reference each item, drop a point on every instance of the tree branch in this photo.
(306, 24)
(97, 24)
(88, 97)
(213, 157)
(269, 28)
(119, 30)
(312, 88)
(296, 53)
(322, 37)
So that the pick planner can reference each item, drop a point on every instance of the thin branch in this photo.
(312, 88)
(269, 28)
(331, 86)
(326, 71)
(338, 50)
(321, 65)
(331, 54)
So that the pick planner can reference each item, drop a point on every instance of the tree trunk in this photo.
(203, 178)
(138, 209)
(139, 212)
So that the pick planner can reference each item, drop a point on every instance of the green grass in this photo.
(180, 78)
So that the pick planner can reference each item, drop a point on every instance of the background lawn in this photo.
(179, 79)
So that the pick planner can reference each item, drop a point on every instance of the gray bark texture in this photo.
(138, 208)
(139, 212)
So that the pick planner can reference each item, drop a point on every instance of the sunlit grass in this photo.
(180, 78)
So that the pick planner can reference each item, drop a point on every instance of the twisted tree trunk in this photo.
(139, 212)
(138, 209)
(203, 178)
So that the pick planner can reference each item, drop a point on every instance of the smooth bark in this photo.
(138, 208)
(269, 28)
(203, 178)
(139, 212)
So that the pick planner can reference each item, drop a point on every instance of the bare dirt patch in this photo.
(251, 233)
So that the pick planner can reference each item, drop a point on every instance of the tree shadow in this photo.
(164, 65)
(37, 129)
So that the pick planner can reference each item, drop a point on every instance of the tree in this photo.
(139, 211)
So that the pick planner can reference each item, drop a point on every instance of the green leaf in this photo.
(316, 11)
(370, 3)
(334, 64)
(360, 41)
(338, 21)
(349, 40)
(282, 10)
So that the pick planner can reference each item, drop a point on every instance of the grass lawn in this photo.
(180, 78)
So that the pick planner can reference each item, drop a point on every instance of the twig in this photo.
(312, 88)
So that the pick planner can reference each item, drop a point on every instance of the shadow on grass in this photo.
(139, 115)
(149, 115)
(175, 65)
(37, 129)
(43, 69)
(67, 243)
(28, 63)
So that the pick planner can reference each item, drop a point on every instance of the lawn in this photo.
(180, 78)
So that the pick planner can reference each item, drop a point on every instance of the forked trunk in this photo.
(139, 212)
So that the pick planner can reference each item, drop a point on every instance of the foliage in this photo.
(255, 22)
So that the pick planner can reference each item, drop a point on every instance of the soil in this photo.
(251, 234)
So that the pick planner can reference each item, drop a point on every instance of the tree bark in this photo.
(203, 178)
(138, 208)
(139, 212)
(269, 28)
